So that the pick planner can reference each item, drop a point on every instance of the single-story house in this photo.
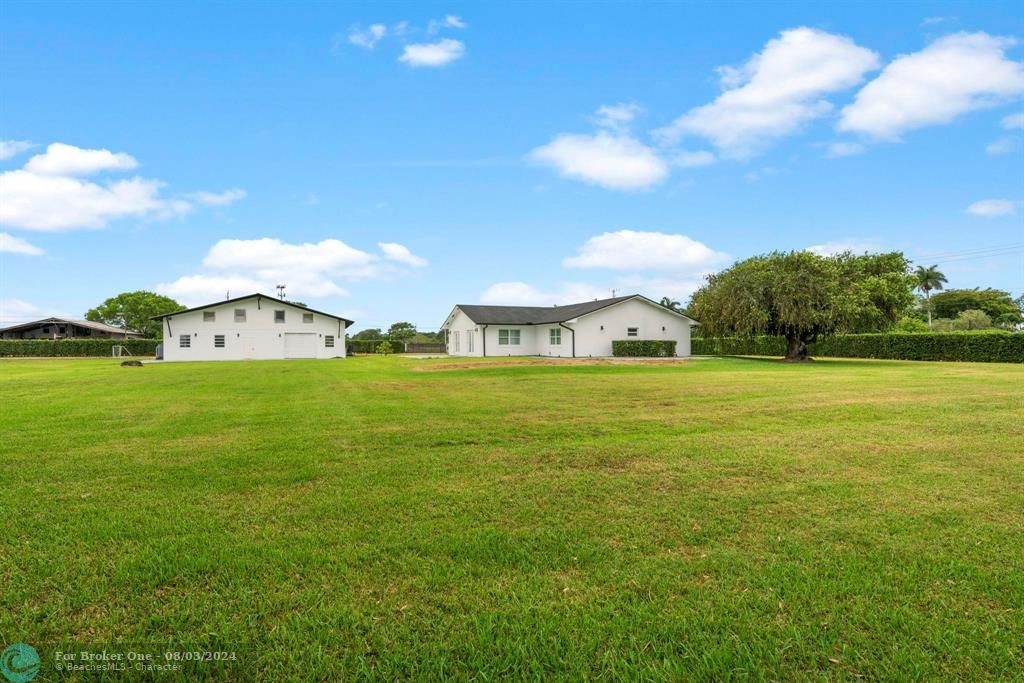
(256, 326)
(66, 328)
(576, 331)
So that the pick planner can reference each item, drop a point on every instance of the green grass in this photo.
(402, 519)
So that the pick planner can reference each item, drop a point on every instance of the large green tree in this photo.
(996, 303)
(802, 296)
(133, 310)
(925, 280)
(401, 332)
(371, 334)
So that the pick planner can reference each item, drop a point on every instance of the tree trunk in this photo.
(796, 348)
(928, 305)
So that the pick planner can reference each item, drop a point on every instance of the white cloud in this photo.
(47, 195)
(760, 174)
(10, 148)
(67, 160)
(12, 245)
(839, 246)
(617, 117)
(693, 159)
(217, 199)
(435, 54)
(308, 269)
(15, 311)
(450, 21)
(1001, 146)
(990, 208)
(618, 162)
(1013, 122)
(634, 250)
(523, 294)
(367, 38)
(775, 92)
(401, 254)
(844, 149)
(952, 76)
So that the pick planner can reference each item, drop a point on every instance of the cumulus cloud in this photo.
(401, 254)
(10, 148)
(449, 21)
(67, 160)
(310, 269)
(48, 194)
(634, 250)
(856, 246)
(844, 149)
(776, 92)
(217, 199)
(952, 76)
(990, 208)
(523, 294)
(16, 310)
(367, 38)
(1001, 146)
(617, 116)
(435, 54)
(13, 245)
(618, 162)
(1013, 122)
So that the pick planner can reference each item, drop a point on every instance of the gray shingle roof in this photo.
(71, 321)
(535, 315)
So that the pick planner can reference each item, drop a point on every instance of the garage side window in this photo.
(239, 315)
(307, 317)
(329, 341)
(556, 336)
(209, 316)
(185, 341)
(278, 316)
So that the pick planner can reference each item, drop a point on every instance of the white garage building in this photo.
(575, 331)
(256, 326)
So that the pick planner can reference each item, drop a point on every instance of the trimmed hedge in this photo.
(949, 346)
(67, 348)
(370, 345)
(644, 348)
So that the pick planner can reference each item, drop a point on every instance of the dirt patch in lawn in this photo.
(505, 362)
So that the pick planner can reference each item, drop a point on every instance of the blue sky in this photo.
(387, 161)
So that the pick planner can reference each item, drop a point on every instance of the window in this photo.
(185, 341)
(239, 315)
(508, 337)
(278, 316)
(218, 341)
(469, 341)
(632, 331)
(209, 316)
(307, 317)
(556, 336)
(456, 341)
(329, 341)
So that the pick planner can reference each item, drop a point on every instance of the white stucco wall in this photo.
(259, 337)
(461, 323)
(650, 318)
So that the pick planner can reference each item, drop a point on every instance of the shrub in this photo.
(384, 348)
(985, 347)
(371, 345)
(645, 348)
(69, 348)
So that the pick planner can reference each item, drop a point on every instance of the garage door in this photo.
(300, 345)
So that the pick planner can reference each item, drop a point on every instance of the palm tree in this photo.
(928, 279)
(670, 304)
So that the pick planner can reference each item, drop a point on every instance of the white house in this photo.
(256, 326)
(575, 331)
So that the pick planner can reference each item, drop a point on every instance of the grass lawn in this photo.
(409, 519)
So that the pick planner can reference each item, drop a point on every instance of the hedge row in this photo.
(370, 345)
(75, 347)
(644, 348)
(955, 346)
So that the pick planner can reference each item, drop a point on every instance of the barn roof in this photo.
(272, 299)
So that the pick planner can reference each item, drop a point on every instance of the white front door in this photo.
(300, 345)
